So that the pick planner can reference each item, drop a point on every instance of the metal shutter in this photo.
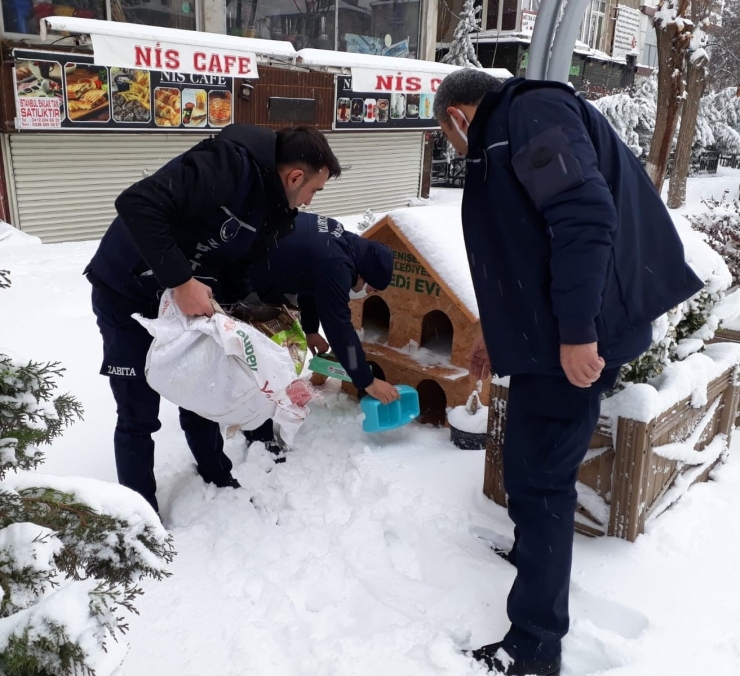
(63, 186)
(380, 171)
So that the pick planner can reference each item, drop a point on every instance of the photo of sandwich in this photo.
(88, 96)
(194, 107)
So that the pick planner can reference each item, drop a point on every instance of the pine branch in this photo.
(94, 545)
(45, 650)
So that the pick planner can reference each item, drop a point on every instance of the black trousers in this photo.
(549, 424)
(125, 345)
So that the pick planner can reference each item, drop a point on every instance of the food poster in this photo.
(381, 110)
(39, 94)
(68, 91)
(131, 95)
(87, 93)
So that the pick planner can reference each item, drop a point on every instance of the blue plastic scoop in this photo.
(383, 417)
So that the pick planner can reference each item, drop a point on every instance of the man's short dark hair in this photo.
(466, 86)
(307, 147)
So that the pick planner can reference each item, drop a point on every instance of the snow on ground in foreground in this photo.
(364, 553)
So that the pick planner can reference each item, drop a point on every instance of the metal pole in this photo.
(542, 38)
(558, 67)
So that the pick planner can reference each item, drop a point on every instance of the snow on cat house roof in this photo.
(435, 234)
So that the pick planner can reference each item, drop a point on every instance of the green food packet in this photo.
(294, 339)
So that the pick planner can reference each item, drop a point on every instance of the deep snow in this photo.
(367, 554)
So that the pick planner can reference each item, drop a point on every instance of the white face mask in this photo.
(457, 126)
(357, 295)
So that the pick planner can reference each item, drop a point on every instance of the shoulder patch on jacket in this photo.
(547, 166)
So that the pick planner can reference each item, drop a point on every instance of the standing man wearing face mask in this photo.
(325, 267)
(572, 255)
(194, 226)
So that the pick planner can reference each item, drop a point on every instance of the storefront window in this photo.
(164, 13)
(384, 27)
(305, 23)
(592, 28)
(388, 27)
(23, 16)
(509, 10)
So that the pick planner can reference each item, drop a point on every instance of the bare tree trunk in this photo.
(674, 38)
(697, 76)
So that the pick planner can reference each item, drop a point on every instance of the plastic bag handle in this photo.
(217, 308)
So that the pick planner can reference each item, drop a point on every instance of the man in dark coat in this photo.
(325, 266)
(194, 226)
(573, 255)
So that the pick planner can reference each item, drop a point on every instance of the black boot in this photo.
(227, 481)
(501, 663)
(277, 452)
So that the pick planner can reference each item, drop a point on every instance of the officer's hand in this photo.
(479, 363)
(382, 391)
(581, 363)
(317, 343)
(194, 298)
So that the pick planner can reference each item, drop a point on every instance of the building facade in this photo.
(615, 38)
(66, 157)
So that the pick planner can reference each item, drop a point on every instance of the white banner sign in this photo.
(395, 81)
(176, 58)
(626, 32)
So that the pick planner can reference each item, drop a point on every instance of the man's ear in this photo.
(295, 177)
(457, 115)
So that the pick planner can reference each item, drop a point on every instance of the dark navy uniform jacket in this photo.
(320, 262)
(568, 240)
(205, 214)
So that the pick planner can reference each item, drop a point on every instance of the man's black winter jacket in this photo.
(205, 214)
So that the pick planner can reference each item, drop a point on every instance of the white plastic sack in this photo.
(223, 370)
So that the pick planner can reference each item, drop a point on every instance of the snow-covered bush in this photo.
(632, 114)
(720, 222)
(718, 124)
(687, 328)
(71, 550)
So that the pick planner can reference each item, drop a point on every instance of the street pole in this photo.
(554, 38)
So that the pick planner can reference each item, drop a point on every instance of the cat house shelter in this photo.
(418, 331)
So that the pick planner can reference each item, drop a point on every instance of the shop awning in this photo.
(371, 73)
(149, 47)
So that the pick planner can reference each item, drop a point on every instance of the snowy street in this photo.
(366, 555)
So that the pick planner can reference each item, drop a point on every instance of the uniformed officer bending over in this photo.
(193, 226)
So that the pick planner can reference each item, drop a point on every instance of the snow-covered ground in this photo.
(363, 555)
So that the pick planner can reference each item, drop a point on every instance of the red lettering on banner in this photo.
(413, 84)
(158, 55)
(383, 83)
(215, 64)
(229, 63)
(172, 59)
(142, 56)
(245, 65)
(399, 83)
(435, 84)
(199, 62)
